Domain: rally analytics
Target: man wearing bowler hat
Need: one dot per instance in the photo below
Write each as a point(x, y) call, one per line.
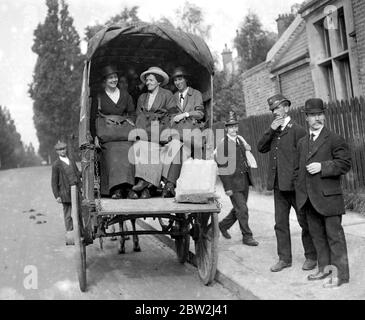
point(281, 140)
point(235, 174)
point(323, 157)
point(65, 174)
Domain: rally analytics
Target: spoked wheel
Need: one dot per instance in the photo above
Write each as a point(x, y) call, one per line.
point(206, 246)
point(182, 243)
point(80, 249)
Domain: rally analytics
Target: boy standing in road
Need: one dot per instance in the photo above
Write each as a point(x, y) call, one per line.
point(65, 174)
point(231, 157)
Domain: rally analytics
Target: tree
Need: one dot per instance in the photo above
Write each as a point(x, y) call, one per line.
point(252, 42)
point(128, 16)
point(30, 158)
point(228, 96)
point(191, 19)
point(55, 88)
point(11, 147)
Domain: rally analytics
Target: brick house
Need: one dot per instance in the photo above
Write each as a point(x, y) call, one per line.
point(321, 54)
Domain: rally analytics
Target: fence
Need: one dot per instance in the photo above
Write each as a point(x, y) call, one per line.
point(345, 118)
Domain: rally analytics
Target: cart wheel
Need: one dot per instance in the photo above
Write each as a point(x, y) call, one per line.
point(206, 246)
point(182, 243)
point(80, 250)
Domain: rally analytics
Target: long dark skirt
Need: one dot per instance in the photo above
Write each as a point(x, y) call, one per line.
point(116, 168)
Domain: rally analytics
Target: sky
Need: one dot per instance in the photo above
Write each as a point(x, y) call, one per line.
point(19, 18)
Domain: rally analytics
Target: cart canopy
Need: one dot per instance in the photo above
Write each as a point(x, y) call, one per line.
point(147, 35)
point(135, 48)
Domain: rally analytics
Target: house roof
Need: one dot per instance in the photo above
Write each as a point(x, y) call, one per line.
point(284, 39)
point(291, 46)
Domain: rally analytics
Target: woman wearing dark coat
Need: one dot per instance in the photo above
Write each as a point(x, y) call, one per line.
point(116, 171)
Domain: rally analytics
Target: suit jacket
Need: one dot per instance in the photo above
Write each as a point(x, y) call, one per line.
point(324, 188)
point(61, 184)
point(232, 155)
point(193, 103)
point(282, 146)
point(163, 103)
point(159, 111)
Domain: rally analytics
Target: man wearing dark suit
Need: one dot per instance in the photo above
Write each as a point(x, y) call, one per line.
point(323, 157)
point(235, 175)
point(281, 140)
point(65, 174)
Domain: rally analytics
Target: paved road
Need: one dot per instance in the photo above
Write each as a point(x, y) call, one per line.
point(35, 263)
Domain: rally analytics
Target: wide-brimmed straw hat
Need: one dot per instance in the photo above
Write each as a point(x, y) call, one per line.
point(155, 70)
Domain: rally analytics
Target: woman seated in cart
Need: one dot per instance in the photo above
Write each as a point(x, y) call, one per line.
point(116, 172)
point(149, 154)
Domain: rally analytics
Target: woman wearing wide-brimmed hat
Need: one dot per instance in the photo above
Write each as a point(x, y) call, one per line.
point(116, 172)
point(152, 105)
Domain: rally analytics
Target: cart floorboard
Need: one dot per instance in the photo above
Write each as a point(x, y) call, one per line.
point(153, 206)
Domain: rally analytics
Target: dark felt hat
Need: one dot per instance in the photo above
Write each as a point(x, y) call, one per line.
point(107, 70)
point(314, 105)
point(232, 119)
point(180, 72)
point(60, 145)
point(276, 100)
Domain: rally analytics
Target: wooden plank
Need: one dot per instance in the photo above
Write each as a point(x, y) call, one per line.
point(154, 206)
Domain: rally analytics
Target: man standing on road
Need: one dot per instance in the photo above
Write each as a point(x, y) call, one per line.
point(323, 157)
point(65, 174)
point(281, 140)
point(231, 155)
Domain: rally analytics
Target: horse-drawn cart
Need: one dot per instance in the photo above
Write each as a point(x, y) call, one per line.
point(141, 46)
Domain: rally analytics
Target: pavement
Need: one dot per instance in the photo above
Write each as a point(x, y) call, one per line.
point(246, 271)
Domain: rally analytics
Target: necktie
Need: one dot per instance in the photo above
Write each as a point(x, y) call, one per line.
point(181, 99)
point(311, 141)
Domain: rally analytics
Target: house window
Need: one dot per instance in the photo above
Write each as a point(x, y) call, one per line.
point(335, 61)
point(341, 31)
point(345, 71)
point(330, 81)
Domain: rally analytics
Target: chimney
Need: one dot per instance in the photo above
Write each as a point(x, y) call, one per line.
point(283, 22)
point(227, 60)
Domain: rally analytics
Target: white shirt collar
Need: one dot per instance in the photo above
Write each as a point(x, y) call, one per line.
point(184, 93)
point(114, 95)
point(315, 133)
point(232, 138)
point(65, 160)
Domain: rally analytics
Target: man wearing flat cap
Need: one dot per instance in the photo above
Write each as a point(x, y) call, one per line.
point(323, 157)
point(65, 174)
point(281, 140)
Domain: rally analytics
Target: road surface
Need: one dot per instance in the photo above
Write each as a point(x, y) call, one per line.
point(36, 264)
